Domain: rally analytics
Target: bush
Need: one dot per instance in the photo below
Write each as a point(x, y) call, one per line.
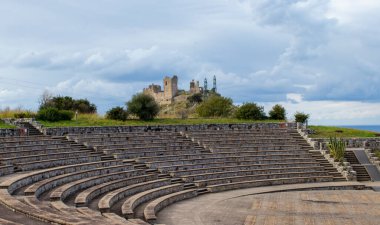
point(26, 114)
point(68, 103)
point(337, 148)
point(277, 113)
point(143, 106)
point(250, 111)
point(195, 98)
point(300, 117)
point(53, 114)
point(117, 113)
point(215, 106)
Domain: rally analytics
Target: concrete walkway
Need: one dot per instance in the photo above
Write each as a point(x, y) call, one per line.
point(284, 204)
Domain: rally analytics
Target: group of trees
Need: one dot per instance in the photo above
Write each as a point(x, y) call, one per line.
point(219, 106)
point(144, 107)
point(56, 108)
point(141, 105)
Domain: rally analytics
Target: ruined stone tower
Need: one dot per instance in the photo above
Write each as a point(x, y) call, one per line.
point(170, 87)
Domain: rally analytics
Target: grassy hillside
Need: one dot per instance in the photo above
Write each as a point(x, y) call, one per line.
point(4, 125)
point(327, 131)
point(95, 120)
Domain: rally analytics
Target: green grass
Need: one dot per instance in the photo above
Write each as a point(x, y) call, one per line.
point(377, 153)
point(327, 131)
point(95, 120)
point(5, 126)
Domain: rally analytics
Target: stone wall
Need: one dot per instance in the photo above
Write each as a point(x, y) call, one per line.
point(83, 130)
point(11, 132)
point(321, 143)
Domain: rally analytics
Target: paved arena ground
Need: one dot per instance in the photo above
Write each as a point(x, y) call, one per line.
point(246, 207)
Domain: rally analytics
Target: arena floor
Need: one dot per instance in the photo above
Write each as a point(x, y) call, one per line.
point(249, 207)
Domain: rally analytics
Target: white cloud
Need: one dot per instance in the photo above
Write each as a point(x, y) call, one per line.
point(298, 52)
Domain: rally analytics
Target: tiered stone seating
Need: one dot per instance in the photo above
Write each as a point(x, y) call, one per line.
point(121, 178)
point(38, 152)
point(267, 148)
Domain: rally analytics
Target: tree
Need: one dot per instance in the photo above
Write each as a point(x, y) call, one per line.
point(45, 98)
point(143, 106)
point(117, 113)
point(250, 111)
point(301, 117)
point(277, 112)
point(215, 106)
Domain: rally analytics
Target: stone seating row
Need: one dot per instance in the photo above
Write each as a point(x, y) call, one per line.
point(132, 202)
point(47, 184)
point(39, 157)
point(43, 215)
point(267, 182)
point(57, 208)
point(251, 148)
point(156, 205)
point(22, 180)
point(254, 158)
point(85, 196)
point(64, 191)
point(134, 144)
point(223, 141)
point(21, 152)
point(48, 163)
point(23, 143)
point(220, 167)
point(143, 147)
point(35, 147)
point(157, 164)
point(137, 154)
point(6, 169)
point(238, 173)
point(235, 179)
point(121, 134)
point(107, 201)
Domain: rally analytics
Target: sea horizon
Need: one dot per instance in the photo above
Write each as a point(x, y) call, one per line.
point(375, 128)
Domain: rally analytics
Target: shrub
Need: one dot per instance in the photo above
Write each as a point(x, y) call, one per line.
point(277, 113)
point(68, 103)
point(195, 98)
point(117, 113)
point(53, 114)
point(250, 111)
point(337, 148)
point(143, 106)
point(215, 106)
point(300, 117)
point(25, 114)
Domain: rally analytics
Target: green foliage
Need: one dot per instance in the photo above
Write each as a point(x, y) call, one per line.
point(377, 153)
point(301, 117)
point(215, 106)
point(53, 114)
point(195, 98)
point(277, 112)
point(85, 120)
point(25, 114)
point(327, 131)
point(337, 148)
point(68, 103)
point(250, 111)
point(117, 113)
point(143, 106)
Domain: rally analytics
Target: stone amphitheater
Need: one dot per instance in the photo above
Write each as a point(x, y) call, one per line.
point(199, 174)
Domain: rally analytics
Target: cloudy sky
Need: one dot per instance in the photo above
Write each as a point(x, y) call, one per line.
point(317, 56)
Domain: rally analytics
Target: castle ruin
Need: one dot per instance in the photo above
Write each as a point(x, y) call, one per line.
point(170, 91)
